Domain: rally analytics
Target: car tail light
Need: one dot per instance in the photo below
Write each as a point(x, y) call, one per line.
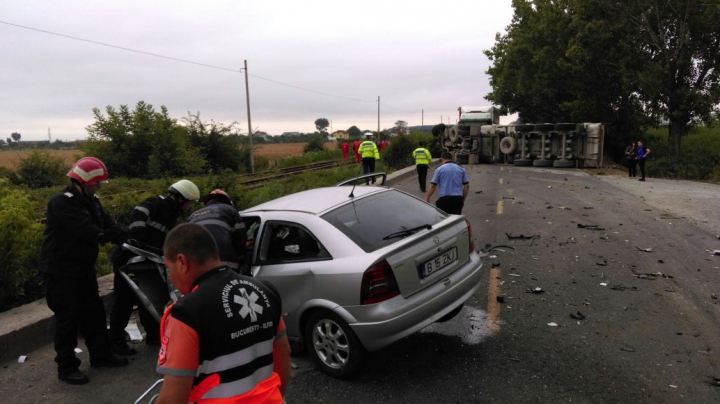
point(470, 238)
point(378, 284)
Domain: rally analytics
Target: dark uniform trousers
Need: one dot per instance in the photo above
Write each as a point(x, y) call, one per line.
point(422, 170)
point(77, 307)
point(368, 165)
point(451, 204)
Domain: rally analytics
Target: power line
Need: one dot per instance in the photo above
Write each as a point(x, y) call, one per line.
point(193, 63)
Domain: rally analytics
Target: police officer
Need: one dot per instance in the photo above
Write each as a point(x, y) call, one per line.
point(369, 152)
point(223, 221)
point(453, 183)
point(422, 158)
point(150, 222)
point(76, 224)
point(224, 341)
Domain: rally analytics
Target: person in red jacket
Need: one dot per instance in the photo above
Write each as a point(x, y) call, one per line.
point(345, 149)
point(356, 147)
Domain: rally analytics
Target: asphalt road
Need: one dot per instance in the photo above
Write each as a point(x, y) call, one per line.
point(649, 327)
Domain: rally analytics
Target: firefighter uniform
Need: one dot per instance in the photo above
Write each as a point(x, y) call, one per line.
point(422, 158)
point(227, 228)
point(74, 227)
point(369, 153)
point(222, 335)
point(150, 222)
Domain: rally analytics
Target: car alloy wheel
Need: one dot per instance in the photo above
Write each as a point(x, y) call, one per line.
point(333, 345)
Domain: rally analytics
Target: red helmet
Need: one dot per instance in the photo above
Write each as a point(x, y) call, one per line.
point(88, 170)
point(217, 193)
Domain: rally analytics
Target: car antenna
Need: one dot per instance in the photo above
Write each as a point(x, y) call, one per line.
point(352, 195)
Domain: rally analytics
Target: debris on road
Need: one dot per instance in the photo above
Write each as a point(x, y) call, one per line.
point(500, 298)
point(649, 249)
point(617, 287)
point(552, 324)
point(495, 264)
point(478, 192)
point(603, 284)
point(627, 348)
point(535, 290)
point(590, 226)
point(564, 208)
point(514, 274)
point(716, 252)
point(602, 263)
point(294, 365)
point(492, 257)
point(661, 261)
point(521, 237)
point(549, 207)
point(669, 289)
point(577, 316)
point(509, 197)
point(606, 238)
point(588, 207)
point(713, 295)
point(22, 358)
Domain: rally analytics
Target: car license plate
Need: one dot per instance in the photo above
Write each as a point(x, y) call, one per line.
point(438, 263)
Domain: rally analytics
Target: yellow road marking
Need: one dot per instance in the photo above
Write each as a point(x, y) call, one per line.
point(493, 309)
point(500, 208)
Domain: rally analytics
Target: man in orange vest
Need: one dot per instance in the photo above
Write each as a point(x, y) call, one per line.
point(224, 341)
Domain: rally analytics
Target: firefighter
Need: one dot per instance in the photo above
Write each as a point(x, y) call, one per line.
point(223, 221)
point(76, 224)
point(369, 152)
point(224, 341)
point(150, 222)
point(422, 158)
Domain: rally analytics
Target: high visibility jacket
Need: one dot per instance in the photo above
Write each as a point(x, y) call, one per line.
point(368, 149)
point(73, 230)
point(222, 334)
point(227, 227)
point(422, 156)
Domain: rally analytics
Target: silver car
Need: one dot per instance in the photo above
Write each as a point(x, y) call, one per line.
point(360, 269)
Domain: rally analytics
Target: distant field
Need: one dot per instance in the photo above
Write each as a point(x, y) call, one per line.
point(10, 158)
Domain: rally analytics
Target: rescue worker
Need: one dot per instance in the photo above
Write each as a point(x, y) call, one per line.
point(369, 152)
point(223, 221)
point(356, 147)
point(453, 183)
point(224, 341)
point(76, 224)
point(150, 222)
point(345, 150)
point(422, 158)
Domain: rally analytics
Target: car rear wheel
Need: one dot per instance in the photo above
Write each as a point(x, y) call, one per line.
point(452, 314)
point(333, 345)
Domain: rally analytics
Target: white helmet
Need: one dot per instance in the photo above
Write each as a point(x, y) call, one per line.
point(186, 189)
point(368, 135)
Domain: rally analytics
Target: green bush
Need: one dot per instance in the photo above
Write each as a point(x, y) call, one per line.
point(20, 239)
point(39, 170)
point(699, 158)
point(315, 144)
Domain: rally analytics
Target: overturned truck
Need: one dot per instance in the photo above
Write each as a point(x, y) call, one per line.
point(479, 138)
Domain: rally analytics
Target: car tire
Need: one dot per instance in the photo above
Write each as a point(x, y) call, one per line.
point(451, 315)
point(508, 145)
point(333, 345)
point(544, 127)
point(522, 162)
point(565, 127)
point(524, 128)
point(542, 163)
point(564, 163)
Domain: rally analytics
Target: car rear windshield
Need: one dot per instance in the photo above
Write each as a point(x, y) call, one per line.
point(368, 220)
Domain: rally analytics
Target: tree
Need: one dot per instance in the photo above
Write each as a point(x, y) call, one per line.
point(354, 132)
point(400, 127)
point(322, 124)
point(609, 61)
point(9, 140)
point(15, 136)
point(221, 145)
point(2, 142)
point(142, 143)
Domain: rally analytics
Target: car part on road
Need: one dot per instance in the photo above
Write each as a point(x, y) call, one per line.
point(649, 249)
point(590, 227)
point(577, 316)
point(521, 237)
point(333, 345)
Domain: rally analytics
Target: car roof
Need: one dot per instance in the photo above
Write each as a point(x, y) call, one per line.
point(316, 200)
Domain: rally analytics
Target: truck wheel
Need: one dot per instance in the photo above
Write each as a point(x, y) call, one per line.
point(524, 128)
point(333, 345)
point(564, 163)
point(462, 158)
point(453, 135)
point(564, 127)
point(523, 162)
point(544, 127)
point(542, 163)
point(508, 145)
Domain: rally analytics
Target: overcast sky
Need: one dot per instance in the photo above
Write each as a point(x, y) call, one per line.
point(415, 55)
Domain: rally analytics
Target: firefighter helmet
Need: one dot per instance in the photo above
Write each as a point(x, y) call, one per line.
point(217, 194)
point(186, 189)
point(88, 170)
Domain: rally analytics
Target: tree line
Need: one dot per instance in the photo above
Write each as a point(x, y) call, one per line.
point(627, 63)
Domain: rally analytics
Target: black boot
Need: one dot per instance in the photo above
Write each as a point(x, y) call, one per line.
point(121, 348)
point(73, 377)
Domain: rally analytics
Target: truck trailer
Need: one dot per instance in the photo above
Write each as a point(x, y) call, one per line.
point(478, 137)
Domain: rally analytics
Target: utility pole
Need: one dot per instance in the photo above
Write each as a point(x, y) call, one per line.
point(49, 136)
point(422, 122)
point(250, 141)
point(378, 136)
